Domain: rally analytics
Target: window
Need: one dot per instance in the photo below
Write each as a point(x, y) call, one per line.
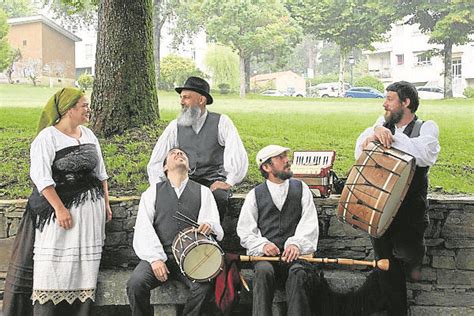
point(89, 51)
point(400, 59)
point(24, 42)
point(422, 59)
point(457, 67)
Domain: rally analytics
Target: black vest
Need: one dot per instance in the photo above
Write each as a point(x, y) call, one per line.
point(206, 155)
point(166, 206)
point(275, 225)
point(414, 206)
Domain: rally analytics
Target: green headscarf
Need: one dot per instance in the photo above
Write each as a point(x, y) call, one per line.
point(58, 105)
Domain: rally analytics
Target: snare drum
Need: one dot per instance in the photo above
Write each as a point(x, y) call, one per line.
point(375, 188)
point(198, 256)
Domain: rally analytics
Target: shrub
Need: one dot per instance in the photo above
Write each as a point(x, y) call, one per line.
point(469, 92)
point(85, 81)
point(174, 70)
point(224, 88)
point(369, 81)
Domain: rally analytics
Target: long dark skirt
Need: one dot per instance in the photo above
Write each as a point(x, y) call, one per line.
point(19, 280)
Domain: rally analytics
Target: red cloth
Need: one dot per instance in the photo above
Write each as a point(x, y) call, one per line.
point(228, 283)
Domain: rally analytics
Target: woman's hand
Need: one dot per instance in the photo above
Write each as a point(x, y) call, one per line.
point(108, 212)
point(63, 217)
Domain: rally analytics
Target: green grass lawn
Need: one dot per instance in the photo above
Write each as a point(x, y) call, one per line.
point(299, 123)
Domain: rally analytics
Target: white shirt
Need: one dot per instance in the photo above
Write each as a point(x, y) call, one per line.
point(424, 148)
point(307, 230)
point(43, 151)
point(146, 243)
point(235, 156)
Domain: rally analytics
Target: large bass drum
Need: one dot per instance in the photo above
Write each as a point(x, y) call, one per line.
point(199, 257)
point(375, 188)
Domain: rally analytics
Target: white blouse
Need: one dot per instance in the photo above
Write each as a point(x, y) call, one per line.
point(43, 151)
point(235, 156)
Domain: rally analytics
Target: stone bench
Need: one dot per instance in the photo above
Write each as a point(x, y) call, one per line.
point(111, 290)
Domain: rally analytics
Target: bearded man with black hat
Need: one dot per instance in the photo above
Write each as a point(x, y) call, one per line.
point(217, 157)
point(278, 218)
point(403, 243)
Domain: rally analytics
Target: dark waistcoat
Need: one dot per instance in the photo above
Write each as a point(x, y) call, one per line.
point(275, 225)
point(414, 206)
point(166, 206)
point(206, 155)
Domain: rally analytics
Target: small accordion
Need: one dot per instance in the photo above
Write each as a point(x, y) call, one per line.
point(314, 169)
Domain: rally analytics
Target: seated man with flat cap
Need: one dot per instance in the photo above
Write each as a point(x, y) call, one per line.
point(156, 228)
point(217, 157)
point(278, 218)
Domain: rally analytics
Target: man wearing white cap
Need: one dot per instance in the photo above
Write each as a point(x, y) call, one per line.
point(278, 218)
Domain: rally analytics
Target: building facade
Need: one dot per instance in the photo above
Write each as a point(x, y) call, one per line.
point(47, 50)
point(406, 56)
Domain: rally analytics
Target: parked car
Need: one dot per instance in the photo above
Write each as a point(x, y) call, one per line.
point(432, 93)
point(272, 93)
point(363, 92)
point(292, 92)
point(329, 89)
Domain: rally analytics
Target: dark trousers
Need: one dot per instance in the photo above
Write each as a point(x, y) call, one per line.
point(221, 196)
point(404, 245)
point(143, 280)
point(268, 276)
point(77, 308)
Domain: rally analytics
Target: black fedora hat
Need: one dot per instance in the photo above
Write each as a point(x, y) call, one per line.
point(198, 85)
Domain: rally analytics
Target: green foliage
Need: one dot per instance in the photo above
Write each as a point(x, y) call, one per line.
point(78, 13)
point(224, 88)
point(6, 52)
point(17, 8)
point(323, 78)
point(85, 81)
point(175, 70)
point(369, 81)
point(223, 65)
point(348, 23)
point(251, 28)
point(469, 92)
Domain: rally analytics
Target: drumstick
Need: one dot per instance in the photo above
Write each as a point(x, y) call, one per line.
point(190, 220)
point(382, 264)
point(186, 221)
point(244, 283)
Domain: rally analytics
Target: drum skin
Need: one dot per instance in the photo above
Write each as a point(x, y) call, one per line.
point(375, 188)
point(198, 256)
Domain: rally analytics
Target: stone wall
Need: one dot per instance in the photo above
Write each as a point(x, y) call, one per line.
point(446, 288)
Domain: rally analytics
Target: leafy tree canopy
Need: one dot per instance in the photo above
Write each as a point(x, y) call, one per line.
point(17, 8)
point(175, 70)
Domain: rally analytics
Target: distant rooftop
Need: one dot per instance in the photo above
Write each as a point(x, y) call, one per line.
point(45, 20)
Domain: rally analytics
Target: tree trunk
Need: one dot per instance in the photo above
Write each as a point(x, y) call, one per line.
point(242, 73)
point(342, 63)
point(247, 75)
point(124, 92)
point(157, 27)
point(448, 69)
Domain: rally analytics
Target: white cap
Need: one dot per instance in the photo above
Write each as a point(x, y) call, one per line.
point(269, 152)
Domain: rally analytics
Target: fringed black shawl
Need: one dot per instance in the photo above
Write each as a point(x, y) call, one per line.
point(73, 172)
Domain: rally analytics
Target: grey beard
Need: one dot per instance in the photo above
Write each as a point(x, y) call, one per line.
point(189, 116)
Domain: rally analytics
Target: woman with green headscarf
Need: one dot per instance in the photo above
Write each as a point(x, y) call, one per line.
point(57, 251)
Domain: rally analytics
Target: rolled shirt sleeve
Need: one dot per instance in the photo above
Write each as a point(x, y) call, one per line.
point(425, 148)
point(42, 153)
point(247, 228)
point(235, 156)
point(146, 243)
point(209, 213)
